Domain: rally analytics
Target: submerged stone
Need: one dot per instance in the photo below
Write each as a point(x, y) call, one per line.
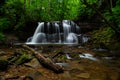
point(83, 75)
point(2, 53)
point(35, 75)
point(34, 63)
point(2, 78)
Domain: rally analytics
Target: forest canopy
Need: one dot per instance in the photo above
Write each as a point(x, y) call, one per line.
point(46, 10)
point(18, 15)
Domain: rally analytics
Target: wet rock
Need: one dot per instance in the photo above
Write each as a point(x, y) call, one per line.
point(58, 54)
point(2, 78)
point(66, 76)
point(81, 68)
point(97, 79)
point(18, 52)
point(83, 75)
point(12, 77)
point(68, 56)
point(80, 47)
point(35, 75)
point(47, 49)
point(20, 56)
point(2, 53)
point(114, 76)
point(11, 39)
point(66, 66)
point(25, 78)
point(23, 58)
point(74, 55)
point(75, 70)
point(3, 64)
point(33, 63)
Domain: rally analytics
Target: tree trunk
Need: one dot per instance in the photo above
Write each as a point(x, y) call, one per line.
point(29, 2)
point(24, 4)
point(46, 62)
point(110, 24)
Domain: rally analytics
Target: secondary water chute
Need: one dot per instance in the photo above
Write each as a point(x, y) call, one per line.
point(56, 32)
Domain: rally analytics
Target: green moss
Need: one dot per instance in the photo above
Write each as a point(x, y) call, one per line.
point(103, 35)
point(23, 58)
point(20, 56)
point(104, 38)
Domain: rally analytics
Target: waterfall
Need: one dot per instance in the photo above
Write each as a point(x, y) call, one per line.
point(56, 32)
point(66, 29)
point(72, 38)
point(38, 31)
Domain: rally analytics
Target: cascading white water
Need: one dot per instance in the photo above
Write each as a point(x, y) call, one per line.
point(72, 38)
point(65, 32)
point(58, 32)
point(39, 38)
point(38, 32)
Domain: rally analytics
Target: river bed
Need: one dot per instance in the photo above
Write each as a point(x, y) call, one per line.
point(79, 63)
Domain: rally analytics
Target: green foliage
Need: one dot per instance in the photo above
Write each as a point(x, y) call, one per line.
point(14, 12)
point(2, 37)
point(52, 10)
point(19, 15)
point(4, 24)
point(22, 59)
point(104, 36)
point(116, 13)
point(113, 17)
point(86, 12)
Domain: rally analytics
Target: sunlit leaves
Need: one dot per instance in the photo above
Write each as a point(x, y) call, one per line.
point(51, 10)
point(47, 10)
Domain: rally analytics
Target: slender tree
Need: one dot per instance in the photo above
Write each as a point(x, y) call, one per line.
point(29, 2)
point(24, 4)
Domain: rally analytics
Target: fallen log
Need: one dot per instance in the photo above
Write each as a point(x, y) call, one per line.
point(46, 62)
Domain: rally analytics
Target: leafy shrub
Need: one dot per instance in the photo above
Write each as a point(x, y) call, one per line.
point(103, 36)
point(4, 24)
point(2, 37)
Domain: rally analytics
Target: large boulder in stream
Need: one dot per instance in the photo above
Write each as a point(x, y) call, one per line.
point(20, 56)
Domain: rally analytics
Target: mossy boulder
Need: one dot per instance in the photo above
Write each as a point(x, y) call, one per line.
point(23, 58)
point(20, 57)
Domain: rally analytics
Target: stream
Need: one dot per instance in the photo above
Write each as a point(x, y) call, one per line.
point(79, 63)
